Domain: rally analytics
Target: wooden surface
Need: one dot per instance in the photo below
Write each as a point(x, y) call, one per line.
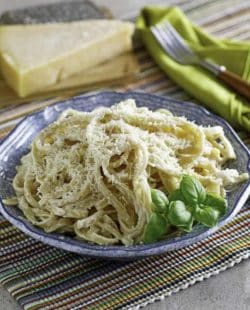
point(230, 290)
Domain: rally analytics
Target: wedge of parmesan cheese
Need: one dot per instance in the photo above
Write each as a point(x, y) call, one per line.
point(33, 57)
point(121, 69)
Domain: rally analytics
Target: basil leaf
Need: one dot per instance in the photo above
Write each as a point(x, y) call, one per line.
point(217, 202)
point(180, 216)
point(160, 200)
point(176, 195)
point(192, 190)
point(207, 215)
point(155, 228)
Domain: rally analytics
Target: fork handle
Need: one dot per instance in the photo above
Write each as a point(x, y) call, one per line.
point(235, 81)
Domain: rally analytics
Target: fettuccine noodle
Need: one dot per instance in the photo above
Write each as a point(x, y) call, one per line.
point(90, 174)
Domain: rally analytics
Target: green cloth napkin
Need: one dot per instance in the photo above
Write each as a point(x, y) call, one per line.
point(201, 84)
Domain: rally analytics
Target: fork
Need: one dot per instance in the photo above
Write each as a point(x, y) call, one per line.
point(176, 47)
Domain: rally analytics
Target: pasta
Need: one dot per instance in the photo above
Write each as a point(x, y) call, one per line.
point(90, 173)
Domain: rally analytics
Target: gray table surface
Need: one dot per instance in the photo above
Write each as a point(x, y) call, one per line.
point(230, 290)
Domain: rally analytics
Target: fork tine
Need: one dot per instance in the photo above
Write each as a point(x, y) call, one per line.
point(173, 44)
point(167, 26)
point(162, 40)
point(179, 54)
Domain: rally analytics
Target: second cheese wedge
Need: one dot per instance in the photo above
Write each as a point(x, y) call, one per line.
point(33, 57)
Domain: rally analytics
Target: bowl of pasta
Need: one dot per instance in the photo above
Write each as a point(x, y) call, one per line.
point(122, 175)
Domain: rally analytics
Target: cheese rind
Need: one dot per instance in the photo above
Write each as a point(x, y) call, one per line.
point(35, 56)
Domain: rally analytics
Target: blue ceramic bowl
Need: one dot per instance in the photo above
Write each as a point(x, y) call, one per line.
point(16, 144)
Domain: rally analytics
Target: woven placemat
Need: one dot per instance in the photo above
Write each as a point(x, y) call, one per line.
point(42, 277)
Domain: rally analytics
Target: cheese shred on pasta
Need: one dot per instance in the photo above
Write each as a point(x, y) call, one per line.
point(90, 174)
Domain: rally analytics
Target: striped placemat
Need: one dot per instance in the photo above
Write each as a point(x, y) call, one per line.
point(42, 277)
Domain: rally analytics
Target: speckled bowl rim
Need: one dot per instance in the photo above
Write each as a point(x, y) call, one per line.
point(123, 252)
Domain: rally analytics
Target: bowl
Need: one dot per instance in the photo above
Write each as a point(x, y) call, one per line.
point(16, 144)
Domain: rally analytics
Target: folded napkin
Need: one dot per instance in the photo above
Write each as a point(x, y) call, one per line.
point(201, 84)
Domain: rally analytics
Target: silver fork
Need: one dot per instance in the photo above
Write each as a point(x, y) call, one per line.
point(176, 47)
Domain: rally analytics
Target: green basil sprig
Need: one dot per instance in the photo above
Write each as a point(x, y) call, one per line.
point(206, 215)
point(155, 228)
point(158, 222)
point(209, 212)
point(160, 200)
point(217, 202)
point(192, 190)
point(176, 195)
point(189, 203)
point(180, 216)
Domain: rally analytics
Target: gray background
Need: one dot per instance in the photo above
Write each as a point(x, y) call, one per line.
point(230, 290)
